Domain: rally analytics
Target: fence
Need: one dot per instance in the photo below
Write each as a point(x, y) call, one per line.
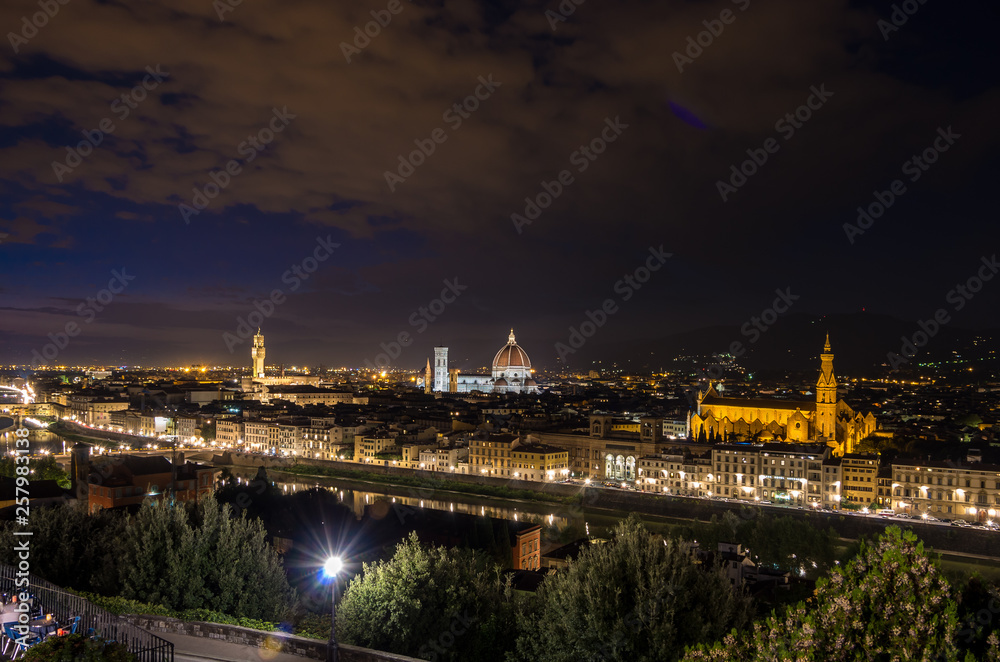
point(65, 606)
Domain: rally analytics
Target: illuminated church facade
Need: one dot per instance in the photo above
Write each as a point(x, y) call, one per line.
point(828, 419)
point(511, 373)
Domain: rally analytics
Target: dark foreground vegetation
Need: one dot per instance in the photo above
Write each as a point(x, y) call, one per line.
point(441, 593)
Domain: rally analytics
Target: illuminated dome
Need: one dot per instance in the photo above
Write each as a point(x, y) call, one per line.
point(511, 356)
point(512, 369)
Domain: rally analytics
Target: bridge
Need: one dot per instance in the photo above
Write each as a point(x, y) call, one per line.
point(24, 397)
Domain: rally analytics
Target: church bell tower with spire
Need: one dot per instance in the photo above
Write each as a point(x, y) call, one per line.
point(826, 396)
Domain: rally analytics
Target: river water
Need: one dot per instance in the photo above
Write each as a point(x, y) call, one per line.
point(377, 500)
point(39, 439)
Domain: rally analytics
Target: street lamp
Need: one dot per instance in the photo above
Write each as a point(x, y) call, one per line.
point(333, 565)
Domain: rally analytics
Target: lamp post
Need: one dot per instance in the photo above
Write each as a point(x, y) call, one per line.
point(333, 565)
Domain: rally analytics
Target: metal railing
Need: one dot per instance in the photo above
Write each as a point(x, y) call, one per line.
point(65, 606)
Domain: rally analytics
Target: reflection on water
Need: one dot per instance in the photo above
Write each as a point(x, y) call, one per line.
point(40, 440)
point(382, 503)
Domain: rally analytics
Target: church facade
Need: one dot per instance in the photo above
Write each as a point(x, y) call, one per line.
point(511, 373)
point(828, 419)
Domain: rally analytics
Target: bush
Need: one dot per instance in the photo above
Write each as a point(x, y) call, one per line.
point(889, 603)
point(78, 648)
point(430, 602)
point(120, 605)
point(640, 597)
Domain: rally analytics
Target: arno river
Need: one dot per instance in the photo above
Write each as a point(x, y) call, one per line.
point(380, 500)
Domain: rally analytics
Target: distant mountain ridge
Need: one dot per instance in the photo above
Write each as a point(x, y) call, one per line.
point(860, 342)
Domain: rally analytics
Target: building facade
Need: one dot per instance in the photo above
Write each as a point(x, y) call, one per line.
point(947, 490)
point(859, 479)
point(827, 419)
point(612, 448)
point(539, 462)
point(511, 373)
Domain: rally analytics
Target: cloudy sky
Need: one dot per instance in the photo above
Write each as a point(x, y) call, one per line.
point(316, 141)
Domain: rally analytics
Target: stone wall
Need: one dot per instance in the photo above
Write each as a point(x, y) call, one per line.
point(312, 649)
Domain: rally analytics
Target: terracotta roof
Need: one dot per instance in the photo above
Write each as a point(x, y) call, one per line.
point(511, 355)
point(760, 403)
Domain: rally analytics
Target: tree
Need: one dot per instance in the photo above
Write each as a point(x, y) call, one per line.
point(161, 566)
point(891, 602)
point(431, 602)
point(44, 468)
point(779, 541)
point(640, 597)
point(78, 648)
point(72, 547)
point(214, 561)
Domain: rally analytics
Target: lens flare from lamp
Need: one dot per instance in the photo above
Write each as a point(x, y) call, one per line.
point(333, 566)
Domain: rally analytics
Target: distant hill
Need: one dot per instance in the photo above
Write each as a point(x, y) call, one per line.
point(860, 343)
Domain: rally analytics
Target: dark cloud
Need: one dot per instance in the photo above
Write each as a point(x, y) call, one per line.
point(324, 173)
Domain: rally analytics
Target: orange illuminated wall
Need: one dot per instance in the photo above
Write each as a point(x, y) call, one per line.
point(526, 550)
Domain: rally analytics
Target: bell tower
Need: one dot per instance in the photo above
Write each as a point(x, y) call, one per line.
point(441, 380)
point(826, 396)
point(257, 354)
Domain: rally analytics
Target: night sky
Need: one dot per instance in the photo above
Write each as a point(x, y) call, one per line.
point(675, 118)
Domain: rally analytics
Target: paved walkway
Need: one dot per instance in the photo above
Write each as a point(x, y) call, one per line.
point(195, 649)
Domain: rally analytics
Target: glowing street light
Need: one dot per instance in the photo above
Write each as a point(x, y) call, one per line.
point(331, 569)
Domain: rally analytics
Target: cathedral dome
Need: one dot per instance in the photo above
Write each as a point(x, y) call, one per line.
point(511, 356)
